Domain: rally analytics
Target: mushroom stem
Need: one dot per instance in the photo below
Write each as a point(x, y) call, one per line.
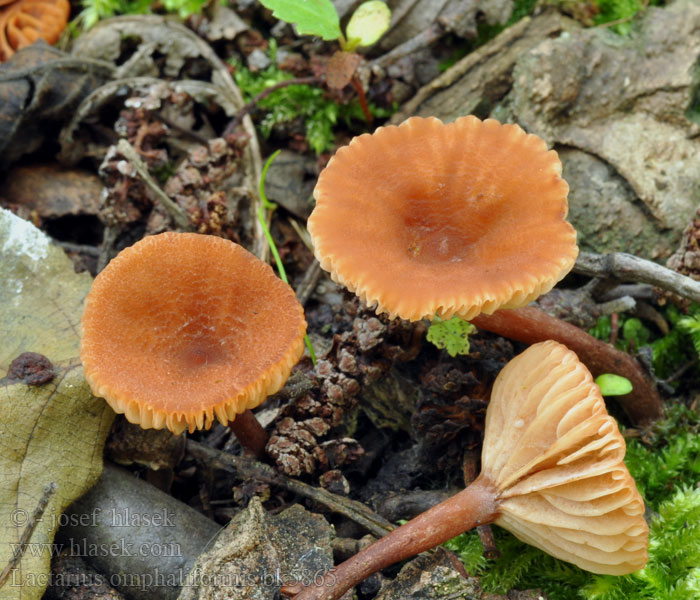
point(475, 505)
point(250, 433)
point(531, 325)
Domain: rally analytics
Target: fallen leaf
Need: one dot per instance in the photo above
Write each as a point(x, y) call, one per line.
point(51, 433)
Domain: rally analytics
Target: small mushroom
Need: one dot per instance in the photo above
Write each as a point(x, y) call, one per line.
point(552, 474)
point(22, 22)
point(454, 219)
point(466, 219)
point(181, 329)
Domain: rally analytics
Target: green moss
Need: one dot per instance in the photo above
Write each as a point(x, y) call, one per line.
point(319, 113)
point(612, 11)
point(95, 10)
point(669, 352)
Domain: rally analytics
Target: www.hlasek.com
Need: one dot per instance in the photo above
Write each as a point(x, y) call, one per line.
point(120, 548)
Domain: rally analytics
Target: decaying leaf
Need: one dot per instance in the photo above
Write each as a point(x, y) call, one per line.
point(51, 433)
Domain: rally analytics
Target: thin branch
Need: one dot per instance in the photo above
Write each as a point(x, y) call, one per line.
point(236, 121)
point(248, 468)
point(23, 544)
point(424, 39)
point(626, 267)
point(81, 248)
point(532, 325)
point(176, 212)
point(308, 283)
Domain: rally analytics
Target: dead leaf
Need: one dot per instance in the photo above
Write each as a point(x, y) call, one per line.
point(341, 68)
point(52, 191)
point(49, 433)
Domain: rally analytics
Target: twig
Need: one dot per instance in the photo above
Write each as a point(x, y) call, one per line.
point(236, 121)
point(82, 248)
point(626, 267)
point(308, 284)
point(418, 42)
point(108, 240)
point(185, 132)
point(23, 544)
point(498, 44)
point(491, 551)
point(532, 325)
point(176, 212)
point(85, 65)
point(249, 468)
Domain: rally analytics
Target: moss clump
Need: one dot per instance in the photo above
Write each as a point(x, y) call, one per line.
point(306, 103)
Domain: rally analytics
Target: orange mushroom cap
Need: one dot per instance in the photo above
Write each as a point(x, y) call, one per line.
point(461, 218)
point(555, 457)
point(22, 22)
point(182, 328)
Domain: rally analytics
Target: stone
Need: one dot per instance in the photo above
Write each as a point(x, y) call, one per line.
point(257, 553)
point(618, 109)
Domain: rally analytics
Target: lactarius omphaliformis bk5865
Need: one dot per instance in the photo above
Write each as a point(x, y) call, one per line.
point(552, 473)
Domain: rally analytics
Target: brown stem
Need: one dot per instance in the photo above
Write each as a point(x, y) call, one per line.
point(250, 433)
point(531, 325)
point(473, 506)
point(488, 542)
point(363, 99)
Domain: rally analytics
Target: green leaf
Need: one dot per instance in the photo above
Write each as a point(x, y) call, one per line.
point(613, 385)
point(451, 335)
point(367, 24)
point(311, 17)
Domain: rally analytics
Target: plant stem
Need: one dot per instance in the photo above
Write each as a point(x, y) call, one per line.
point(250, 433)
point(476, 505)
point(363, 99)
point(532, 325)
point(265, 204)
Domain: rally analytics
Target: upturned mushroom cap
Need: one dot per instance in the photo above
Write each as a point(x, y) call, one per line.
point(556, 458)
point(461, 218)
point(22, 22)
point(182, 328)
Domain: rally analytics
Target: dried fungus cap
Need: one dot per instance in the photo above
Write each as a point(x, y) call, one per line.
point(23, 22)
point(426, 218)
point(182, 328)
point(556, 458)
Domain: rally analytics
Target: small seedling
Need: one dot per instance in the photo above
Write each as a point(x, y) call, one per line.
point(451, 335)
point(319, 17)
point(613, 385)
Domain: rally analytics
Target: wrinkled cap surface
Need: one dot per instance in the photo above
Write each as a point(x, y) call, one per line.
point(556, 458)
point(182, 328)
point(461, 218)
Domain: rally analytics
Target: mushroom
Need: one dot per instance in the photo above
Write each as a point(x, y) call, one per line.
point(22, 22)
point(181, 329)
point(464, 218)
point(428, 219)
point(552, 474)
